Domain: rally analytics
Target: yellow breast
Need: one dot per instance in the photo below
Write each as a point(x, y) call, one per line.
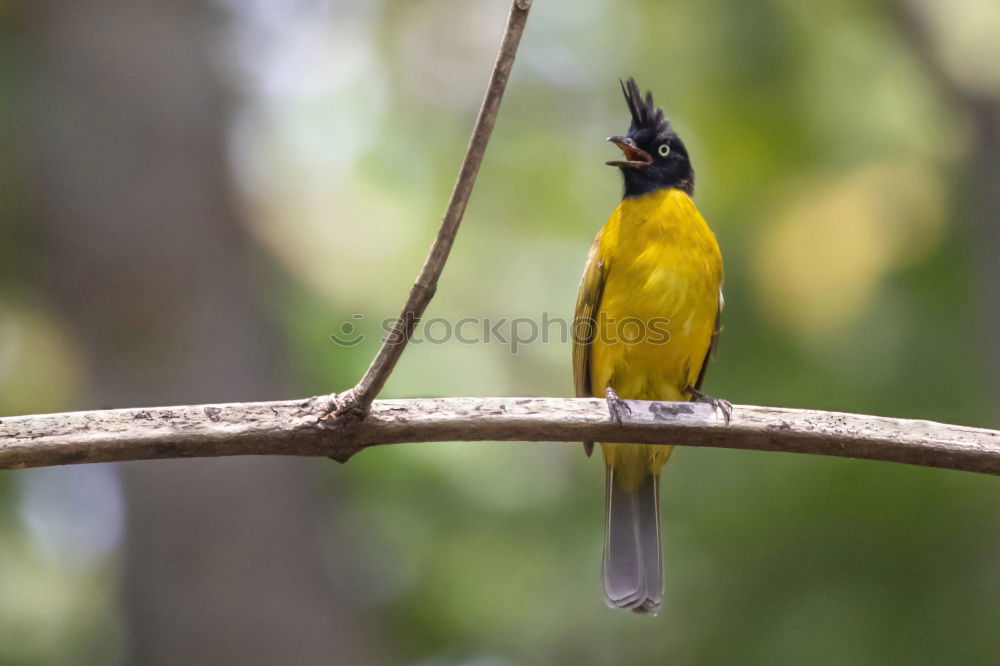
point(660, 299)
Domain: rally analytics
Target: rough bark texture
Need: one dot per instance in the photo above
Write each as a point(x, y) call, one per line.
point(291, 427)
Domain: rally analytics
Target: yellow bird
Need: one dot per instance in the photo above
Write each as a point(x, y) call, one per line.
point(647, 320)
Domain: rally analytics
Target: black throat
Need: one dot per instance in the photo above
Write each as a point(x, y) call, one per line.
point(639, 182)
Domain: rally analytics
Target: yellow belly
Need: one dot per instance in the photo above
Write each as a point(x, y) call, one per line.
point(657, 312)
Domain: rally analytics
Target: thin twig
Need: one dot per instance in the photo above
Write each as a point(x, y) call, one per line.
point(290, 428)
point(426, 283)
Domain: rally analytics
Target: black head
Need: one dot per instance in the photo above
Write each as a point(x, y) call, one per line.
point(655, 157)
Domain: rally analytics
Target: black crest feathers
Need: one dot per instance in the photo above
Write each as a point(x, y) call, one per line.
point(646, 116)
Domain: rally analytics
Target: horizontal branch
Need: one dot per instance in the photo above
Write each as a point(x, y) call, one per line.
point(292, 428)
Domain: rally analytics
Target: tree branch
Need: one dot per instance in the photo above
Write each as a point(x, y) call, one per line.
point(426, 283)
point(291, 428)
point(303, 427)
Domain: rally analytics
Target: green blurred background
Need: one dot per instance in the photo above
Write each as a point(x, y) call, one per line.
point(195, 195)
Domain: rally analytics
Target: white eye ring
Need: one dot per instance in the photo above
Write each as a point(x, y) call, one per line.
point(664, 150)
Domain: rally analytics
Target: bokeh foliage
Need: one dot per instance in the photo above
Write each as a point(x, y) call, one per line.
point(831, 165)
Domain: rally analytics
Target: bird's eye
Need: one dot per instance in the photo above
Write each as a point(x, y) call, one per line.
point(664, 150)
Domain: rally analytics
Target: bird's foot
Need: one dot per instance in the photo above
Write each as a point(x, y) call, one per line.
point(718, 404)
point(616, 406)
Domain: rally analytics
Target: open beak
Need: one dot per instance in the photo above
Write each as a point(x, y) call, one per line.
point(634, 155)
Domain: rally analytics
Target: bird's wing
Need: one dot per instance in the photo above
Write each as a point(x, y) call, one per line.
point(712, 345)
point(585, 325)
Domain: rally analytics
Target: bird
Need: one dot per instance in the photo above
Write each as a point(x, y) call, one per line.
point(647, 322)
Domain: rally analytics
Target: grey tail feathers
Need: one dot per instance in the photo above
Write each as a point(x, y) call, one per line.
point(633, 563)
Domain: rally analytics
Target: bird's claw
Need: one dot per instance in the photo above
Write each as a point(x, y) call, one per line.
point(718, 404)
point(616, 406)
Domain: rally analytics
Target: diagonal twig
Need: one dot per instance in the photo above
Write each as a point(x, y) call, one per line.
point(359, 399)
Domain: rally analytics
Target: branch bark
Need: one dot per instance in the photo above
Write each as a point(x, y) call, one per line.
point(303, 428)
point(362, 395)
point(291, 428)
